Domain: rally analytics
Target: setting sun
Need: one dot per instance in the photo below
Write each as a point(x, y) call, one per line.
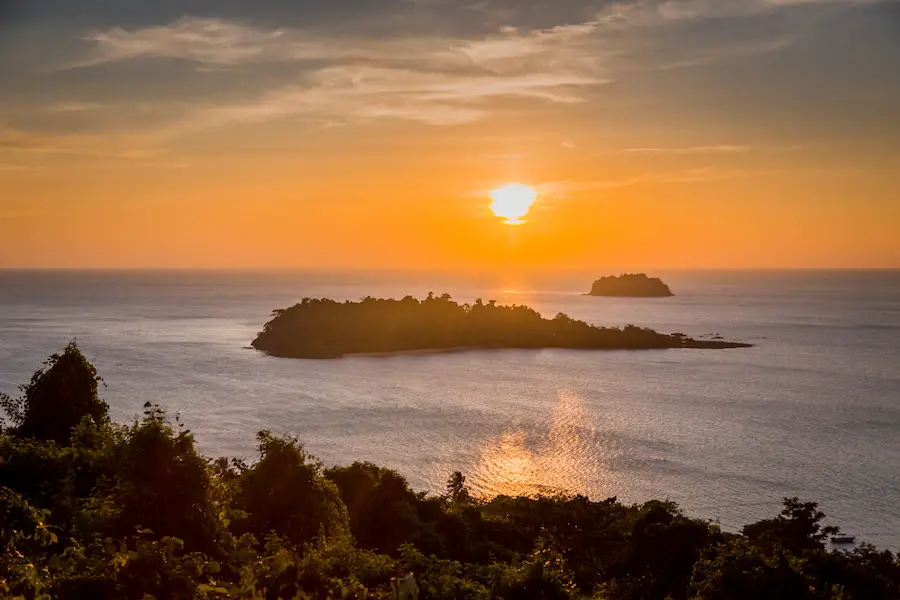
point(512, 202)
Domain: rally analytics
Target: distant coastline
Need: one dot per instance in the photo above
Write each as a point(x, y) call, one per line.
point(324, 328)
point(631, 285)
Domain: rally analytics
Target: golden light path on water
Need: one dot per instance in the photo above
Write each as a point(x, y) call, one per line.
point(566, 461)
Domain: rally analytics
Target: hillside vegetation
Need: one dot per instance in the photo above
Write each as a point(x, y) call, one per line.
point(92, 509)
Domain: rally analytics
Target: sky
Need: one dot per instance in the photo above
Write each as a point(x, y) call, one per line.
point(370, 133)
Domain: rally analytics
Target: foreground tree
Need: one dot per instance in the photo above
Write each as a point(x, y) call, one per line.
point(739, 570)
point(457, 491)
point(57, 398)
point(798, 528)
point(286, 493)
point(165, 486)
point(383, 510)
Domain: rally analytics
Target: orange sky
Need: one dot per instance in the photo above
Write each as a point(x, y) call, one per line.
point(717, 157)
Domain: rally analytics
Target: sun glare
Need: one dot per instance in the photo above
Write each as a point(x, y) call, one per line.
point(512, 202)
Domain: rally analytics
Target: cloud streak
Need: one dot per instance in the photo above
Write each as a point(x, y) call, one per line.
point(432, 80)
point(729, 149)
point(716, 149)
point(649, 13)
point(567, 188)
point(215, 42)
point(208, 41)
point(438, 81)
point(361, 93)
point(119, 146)
point(74, 107)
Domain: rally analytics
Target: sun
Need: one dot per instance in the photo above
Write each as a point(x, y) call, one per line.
point(512, 202)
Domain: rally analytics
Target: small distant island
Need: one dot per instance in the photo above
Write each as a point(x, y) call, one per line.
point(323, 328)
point(631, 285)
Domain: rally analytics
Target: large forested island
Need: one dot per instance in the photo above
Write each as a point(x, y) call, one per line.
point(323, 328)
point(633, 285)
point(92, 509)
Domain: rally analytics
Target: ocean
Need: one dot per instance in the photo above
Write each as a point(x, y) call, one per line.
point(812, 410)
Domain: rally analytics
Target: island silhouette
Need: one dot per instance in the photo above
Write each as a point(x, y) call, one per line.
point(633, 285)
point(321, 328)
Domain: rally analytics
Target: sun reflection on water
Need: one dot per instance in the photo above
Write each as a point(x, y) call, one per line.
point(567, 460)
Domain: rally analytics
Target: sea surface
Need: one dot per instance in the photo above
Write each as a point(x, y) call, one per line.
point(813, 410)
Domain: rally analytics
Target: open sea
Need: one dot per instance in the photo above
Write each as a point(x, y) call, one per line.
point(813, 410)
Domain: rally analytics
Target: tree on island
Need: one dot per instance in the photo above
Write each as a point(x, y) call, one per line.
point(323, 328)
point(635, 285)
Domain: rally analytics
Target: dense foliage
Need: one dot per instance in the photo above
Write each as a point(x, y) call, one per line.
point(322, 328)
point(97, 510)
point(631, 285)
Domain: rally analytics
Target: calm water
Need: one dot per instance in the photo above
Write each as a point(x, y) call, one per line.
point(813, 410)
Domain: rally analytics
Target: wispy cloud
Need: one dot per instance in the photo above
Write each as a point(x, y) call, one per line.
point(734, 51)
point(74, 107)
point(361, 93)
point(714, 149)
point(430, 79)
point(121, 146)
point(567, 188)
point(646, 13)
point(215, 42)
point(690, 150)
point(339, 94)
point(433, 80)
point(704, 174)
point(208, 41)
point(14, 168)
point(514, 157)
point(438, 81)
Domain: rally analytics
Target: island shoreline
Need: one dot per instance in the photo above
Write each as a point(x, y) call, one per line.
point(463, 349)
point(630, 285)
point(372, 327)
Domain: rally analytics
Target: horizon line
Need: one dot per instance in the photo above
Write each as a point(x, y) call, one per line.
point(546, 270)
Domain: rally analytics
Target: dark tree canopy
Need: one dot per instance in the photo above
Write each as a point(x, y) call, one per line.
point(284, 478)
point(322, 328)
point(164, 485)
point(57, 398)
point(456, 488)
point(383, 510)
point(798, 528)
